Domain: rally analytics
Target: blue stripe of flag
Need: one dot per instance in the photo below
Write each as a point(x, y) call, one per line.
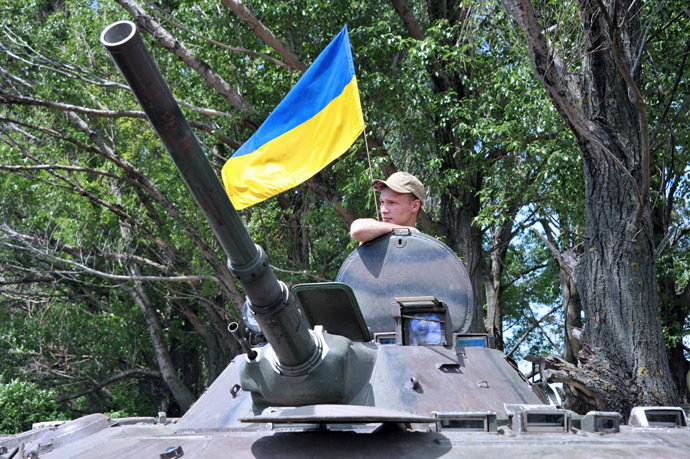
point(323, 81)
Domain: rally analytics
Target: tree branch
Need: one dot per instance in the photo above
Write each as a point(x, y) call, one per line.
point(144, 186)
point(411, 24)
point(522, 274)
point(38, 60)
point(114, 208)
point(266, 57)
point(674, 91)
point(261, 31)
point(547, 68)
point(144, 183)
point(667, 238)
point(41, 167)
point(534, 325)
point(28, 280)
point(112, 277)
point(12, 99)
point(545, 64)
point(169, 42)
point(681, 232)
point(132, 372)
point(77, 251)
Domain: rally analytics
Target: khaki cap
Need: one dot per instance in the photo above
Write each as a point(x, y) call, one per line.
point(402, 182)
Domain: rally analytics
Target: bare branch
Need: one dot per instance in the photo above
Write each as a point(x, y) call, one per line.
point(169, 42)
point(24, 100)
point(669, 23)
point(566, 261)
point(266, 57)
point(38, 60)
point(527, 333)
point(553, 221)
point(667, 238)
point(144, 183)
point(13, 99)
point(681, 232)
point(14, 78)
point(28, 280)
point(116, 209)
point(411, 24)
point(112, 277)
point(261, 31)
point(77, 251)
point(132, 372)
point(523, 273)
point(674, 91)
point(41, 167)
point(643, 41)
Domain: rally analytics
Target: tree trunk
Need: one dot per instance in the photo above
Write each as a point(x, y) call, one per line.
point(571, 303)
point(466, 239)
point(460, 202)
point(296, 233)
point(616, 277)
point(500, 240)
point(572, 310)
point(674, 310)
point(617, 281)
point(674, 304)
point(220, 346)
point(494, 314)
point(181, 393)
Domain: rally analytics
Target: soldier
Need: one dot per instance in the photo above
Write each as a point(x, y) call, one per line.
point(401, 198)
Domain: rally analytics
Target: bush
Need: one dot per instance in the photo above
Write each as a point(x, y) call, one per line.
point(23, 403)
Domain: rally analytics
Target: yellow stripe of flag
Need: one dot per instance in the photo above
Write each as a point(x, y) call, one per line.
point(315, 123)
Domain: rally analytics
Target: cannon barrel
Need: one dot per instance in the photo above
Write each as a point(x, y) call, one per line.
point(269, 299)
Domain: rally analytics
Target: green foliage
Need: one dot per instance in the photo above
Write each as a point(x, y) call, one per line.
point(490, 133)
point(23, 403)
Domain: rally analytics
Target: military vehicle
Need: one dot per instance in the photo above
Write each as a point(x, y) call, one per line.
point(377, 364)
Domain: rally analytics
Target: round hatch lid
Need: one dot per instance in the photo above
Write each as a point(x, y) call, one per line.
point(405, 264)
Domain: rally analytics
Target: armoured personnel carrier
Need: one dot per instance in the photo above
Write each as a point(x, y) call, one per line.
point(377, 364)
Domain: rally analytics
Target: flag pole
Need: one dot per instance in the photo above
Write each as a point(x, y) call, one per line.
point(371, 173)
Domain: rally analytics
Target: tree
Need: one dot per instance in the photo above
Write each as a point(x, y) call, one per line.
point(598, 91)
point(490, 137)
point(22, 404)
point(98, 233)
point(667, 111)
point(100, 216)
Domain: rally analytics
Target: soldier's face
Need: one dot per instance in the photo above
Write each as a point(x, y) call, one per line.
point(399, 208)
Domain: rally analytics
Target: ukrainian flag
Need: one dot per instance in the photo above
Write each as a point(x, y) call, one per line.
point(316, 122)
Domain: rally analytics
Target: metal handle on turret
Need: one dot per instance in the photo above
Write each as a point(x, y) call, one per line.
point(281, 323)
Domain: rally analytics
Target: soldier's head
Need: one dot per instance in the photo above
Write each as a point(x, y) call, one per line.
point(402, 195)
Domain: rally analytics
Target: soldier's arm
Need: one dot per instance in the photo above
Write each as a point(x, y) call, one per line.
point(366, 229)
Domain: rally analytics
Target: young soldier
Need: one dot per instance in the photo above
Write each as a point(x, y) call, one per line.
point(401, 198)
